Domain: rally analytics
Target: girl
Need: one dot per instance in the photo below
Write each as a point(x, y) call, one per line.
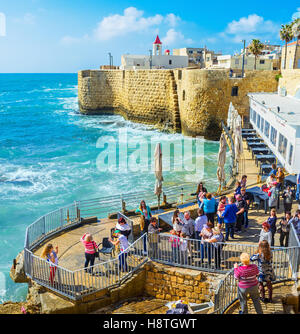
point(145, 211)
point(51, 256)
point(221, 209)
point(266, 272)
point(90, 248)
point(177, 222)
point(272, 222)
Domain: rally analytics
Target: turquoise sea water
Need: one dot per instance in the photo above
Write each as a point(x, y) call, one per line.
point(48, 157)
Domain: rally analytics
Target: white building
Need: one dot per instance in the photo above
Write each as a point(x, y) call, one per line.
point(276, 119)
point(157, 60)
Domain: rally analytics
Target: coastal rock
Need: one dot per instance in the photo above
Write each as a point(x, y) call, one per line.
point(17, 274)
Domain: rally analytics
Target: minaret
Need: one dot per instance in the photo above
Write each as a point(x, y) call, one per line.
point(157, 47)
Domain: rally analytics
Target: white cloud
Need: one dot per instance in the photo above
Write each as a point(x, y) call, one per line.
point(296, 15)
point(174, 36)
point(132, 20)
point(172, 20)
point(28, 18)
point(250, 27)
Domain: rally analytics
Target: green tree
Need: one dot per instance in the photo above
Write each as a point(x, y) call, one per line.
point(296, 34)
point(255, 47)
point(286, 35)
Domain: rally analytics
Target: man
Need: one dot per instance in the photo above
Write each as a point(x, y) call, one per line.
point(188, 227)
point(240, 216)
point(229, 215)
point(246, 199)
point(274, 170)
point(153, 232)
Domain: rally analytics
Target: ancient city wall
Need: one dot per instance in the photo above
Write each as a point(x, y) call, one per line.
point(193, 101)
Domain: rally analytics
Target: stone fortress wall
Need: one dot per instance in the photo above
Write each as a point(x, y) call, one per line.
point(191, 101)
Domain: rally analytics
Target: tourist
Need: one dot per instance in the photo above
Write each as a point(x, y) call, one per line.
point(244, 181)
point(221, 209)
point(123, 227)
point(230, 215)
point(200, 193)
point(271, 180)
point(124, 245)
point(238, 188)
point(146, 214)
point(240, 203)
point(90, 248)
point(296, 222)
point(272, 222)
point(266, 271)
point(284, 230)
point(298, 188)
point(265, 233)
point(206, 234)
point(51, 256)
point(200, 222)
point(183, 248)
point(153, 235)
point(177, 222)
point(246, 199)
point(209, 207)
point(287, 199)
point(248, 284)
point(280, 178)
point(175, 242)
point(188, 226)
point(273, 170)
point(273, 196)
point(217, 241)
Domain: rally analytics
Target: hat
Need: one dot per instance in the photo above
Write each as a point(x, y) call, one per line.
point(117, 231)
point(121, 220)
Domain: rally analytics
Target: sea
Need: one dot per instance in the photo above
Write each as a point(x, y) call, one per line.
point(51, 155)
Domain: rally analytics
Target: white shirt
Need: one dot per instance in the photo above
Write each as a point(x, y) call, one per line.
point(183, 244)
point(200, 222)
point(123, 243)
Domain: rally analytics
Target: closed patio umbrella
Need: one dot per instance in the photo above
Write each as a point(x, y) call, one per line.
point(229, 115)
point(238, 143)
point(158, 171)
point(221, 161)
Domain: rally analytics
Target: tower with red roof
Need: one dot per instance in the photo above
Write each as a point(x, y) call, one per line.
point(157, 47)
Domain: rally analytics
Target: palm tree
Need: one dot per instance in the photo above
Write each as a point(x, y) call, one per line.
point(255, 47)
point(286, 35)
point(296, 34)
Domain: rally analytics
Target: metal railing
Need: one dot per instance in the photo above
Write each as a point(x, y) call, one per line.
point(83, 282)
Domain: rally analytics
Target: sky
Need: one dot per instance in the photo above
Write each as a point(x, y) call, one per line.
point(63, 36)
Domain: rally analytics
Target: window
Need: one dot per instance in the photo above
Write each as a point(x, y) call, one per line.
point(267, 129)
point(170, 62)
point(262, 61)
point(234, 91)
point(291, 154)
point(273, 136)
point(179, 74)
point(262, 121)
point(183, 95)
point(191, 52)
point(237, 61)
point(198, 51)
point(282, 145)
point(254, 116)
point(251, 114)
point(258, 121)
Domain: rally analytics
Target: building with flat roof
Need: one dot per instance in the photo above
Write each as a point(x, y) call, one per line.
point(292, 59)
point(276, 119)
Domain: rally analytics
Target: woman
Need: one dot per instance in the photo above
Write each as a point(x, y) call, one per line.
point(272, 222)
point(124, 245)
point(266, 272)
point(248, 284)
point(217, 242)
point(284, 230)
point(200, 192)
point(51, 256)
point(90, 248)
point(177, 222)
point(123, 227)
point(206, 234)
point(280, 178)
point(209, 207)
point(273, 196)
point(243, 181)
point(287, 199)
point(265, 233)
point(270, 180)
point(238, 188)
point(221, 209)
point(145, 211)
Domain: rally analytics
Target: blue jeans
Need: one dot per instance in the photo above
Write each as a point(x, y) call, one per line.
point(229, 230)
point(220, 220)
point(123, 261)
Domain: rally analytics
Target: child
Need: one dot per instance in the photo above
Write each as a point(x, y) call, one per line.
point(265, 233)
point(183, 247)
point(177, 222)
point(284, 230)
point(174, 240)
point(272, 222)
point(266, 272)
point(221, 209)
point(287, 199)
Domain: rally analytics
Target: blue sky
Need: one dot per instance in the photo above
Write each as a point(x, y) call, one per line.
point(66, 36)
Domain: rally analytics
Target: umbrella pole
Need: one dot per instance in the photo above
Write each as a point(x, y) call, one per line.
point(158, 201)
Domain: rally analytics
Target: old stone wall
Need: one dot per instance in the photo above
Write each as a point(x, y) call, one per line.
point(290, 80)
point(193, 101)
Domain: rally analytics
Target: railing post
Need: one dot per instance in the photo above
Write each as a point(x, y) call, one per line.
point(61, 218)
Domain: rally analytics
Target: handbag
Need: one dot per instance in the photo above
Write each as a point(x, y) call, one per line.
point(142, 222)
point(96, 250)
